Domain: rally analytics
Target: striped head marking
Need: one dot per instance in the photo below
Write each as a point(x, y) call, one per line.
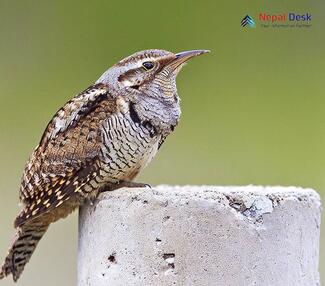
point(150, 72)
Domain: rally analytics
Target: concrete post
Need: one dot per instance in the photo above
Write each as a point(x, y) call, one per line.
point(206, 235)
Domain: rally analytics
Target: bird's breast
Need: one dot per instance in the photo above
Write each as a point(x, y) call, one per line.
point(127, 147)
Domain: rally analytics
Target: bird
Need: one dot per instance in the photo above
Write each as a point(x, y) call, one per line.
point(98, 141)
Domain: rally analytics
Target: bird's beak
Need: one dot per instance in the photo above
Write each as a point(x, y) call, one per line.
point(184, 57)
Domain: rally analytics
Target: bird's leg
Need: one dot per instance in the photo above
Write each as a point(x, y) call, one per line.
point(123, 184)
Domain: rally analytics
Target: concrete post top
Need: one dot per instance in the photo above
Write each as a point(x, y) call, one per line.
point(262, 197)
point(201, 235)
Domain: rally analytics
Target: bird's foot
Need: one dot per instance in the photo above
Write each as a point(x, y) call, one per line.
point(130, 184)
point(124, 184)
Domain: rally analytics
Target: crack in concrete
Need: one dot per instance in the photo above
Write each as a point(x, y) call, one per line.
point(253, 207)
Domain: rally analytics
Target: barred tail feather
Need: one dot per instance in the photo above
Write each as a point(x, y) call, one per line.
point(24, 244)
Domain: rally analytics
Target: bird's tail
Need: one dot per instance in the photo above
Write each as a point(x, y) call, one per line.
point(23, 246)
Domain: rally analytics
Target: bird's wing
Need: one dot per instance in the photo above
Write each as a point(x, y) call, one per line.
point(67, 156)
point(79, 106)
point(56, 191)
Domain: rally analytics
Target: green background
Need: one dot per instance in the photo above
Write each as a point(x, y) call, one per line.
point(253, 109)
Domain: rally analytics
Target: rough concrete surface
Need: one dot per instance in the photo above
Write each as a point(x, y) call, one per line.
point(205, 235)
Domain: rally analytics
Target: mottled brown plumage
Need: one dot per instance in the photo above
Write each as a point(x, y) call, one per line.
point(99, 140)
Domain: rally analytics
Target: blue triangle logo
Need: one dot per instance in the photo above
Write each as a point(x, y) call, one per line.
point(248, 21)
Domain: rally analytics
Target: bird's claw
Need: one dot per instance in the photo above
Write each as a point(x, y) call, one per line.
point(125, 184)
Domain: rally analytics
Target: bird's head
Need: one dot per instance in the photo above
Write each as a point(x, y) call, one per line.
point(150, 73)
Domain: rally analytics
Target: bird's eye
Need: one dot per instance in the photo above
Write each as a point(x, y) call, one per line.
point(148, 65)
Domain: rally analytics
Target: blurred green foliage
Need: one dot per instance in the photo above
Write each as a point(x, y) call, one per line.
point(253, 109)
